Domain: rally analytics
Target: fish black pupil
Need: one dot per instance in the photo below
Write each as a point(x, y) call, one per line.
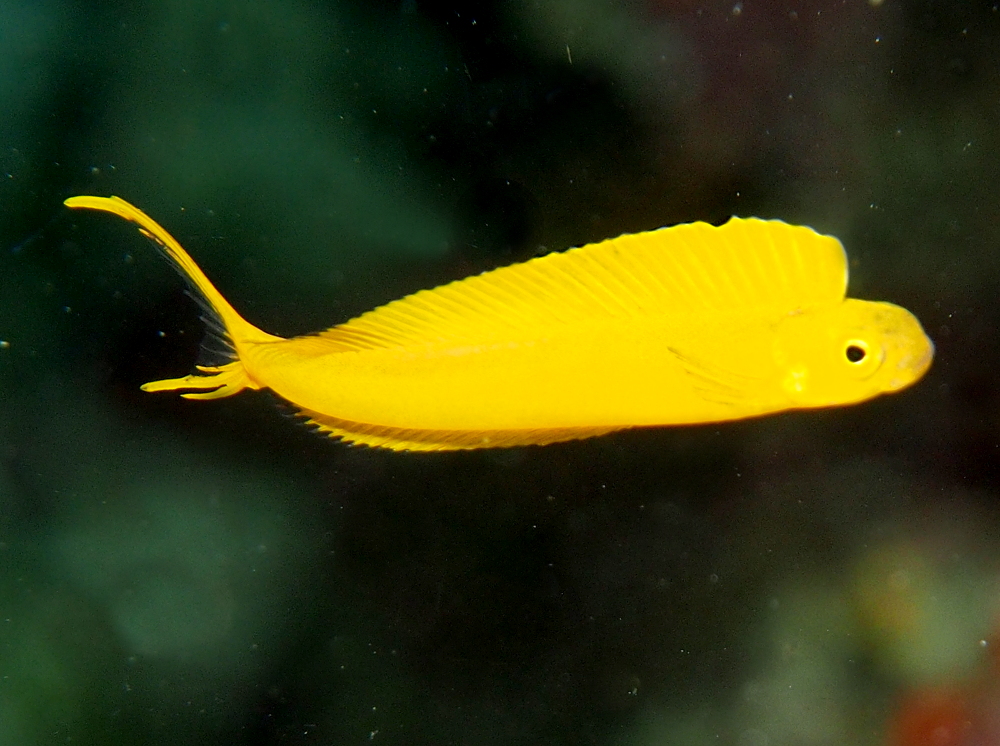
point(855, 354)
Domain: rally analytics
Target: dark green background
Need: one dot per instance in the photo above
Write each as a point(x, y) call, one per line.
point(212, 573)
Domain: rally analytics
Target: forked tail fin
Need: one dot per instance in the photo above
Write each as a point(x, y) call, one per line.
point(212, 381)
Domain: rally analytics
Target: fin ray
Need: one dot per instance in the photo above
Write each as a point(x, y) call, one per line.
point(212, 382)
point(695, 268)
point(404, 439)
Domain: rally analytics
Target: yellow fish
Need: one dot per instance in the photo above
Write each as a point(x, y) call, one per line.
point(682, 325)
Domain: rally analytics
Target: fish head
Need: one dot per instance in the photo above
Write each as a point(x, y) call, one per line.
point(849, 353)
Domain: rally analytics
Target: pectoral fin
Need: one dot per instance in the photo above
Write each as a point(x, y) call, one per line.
point(715, 382)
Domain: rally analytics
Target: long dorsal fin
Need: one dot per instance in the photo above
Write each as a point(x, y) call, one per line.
point(695, 268)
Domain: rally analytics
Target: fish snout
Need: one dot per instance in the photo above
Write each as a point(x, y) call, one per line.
point(913, 364)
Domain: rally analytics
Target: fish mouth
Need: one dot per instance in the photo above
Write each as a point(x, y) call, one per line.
point(925, 361)
point(911, 368)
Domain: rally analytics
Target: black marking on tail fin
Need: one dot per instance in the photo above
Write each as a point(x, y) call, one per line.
point(215, 351)
point(216, 346)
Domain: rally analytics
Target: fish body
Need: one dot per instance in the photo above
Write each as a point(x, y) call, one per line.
point(578, 376)
point(683, 325)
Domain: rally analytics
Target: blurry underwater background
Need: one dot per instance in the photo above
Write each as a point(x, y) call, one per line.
point(213, 573)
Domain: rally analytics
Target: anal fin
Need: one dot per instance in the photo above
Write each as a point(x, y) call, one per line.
point(411, 439)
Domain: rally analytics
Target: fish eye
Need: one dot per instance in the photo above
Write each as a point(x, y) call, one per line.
point(856, 351)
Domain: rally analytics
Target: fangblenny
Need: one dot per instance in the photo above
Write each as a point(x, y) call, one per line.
point(682, 325)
